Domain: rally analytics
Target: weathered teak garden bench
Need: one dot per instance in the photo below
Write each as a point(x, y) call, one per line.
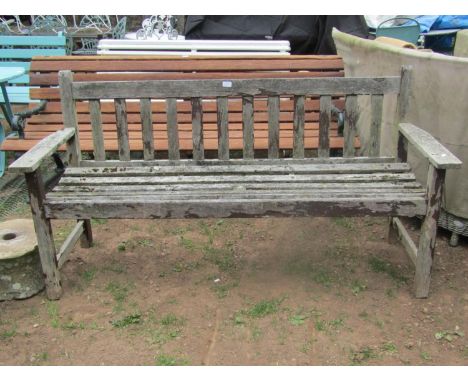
point(224, 187)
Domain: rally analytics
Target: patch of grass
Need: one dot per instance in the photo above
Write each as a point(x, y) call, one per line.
point(89, 274)
point(171, 319)
point(115, 266)
point(380, 266)
point(297, 319)
point(389, 347)
point(122, 246)
point(449, 335)
point(343, 222)
point(9, 333)
point(222, 290)
point(72, 325)
point(187, 243)
point(362, 355)
point(169, 360)
point(52, 311)
point(264, 308)
point(132, 319)
point(223, 258)
point(320, 325)
point(425, 356)
point(322, 276)
point(358, 287)
point(119, 293)
point(336, 323)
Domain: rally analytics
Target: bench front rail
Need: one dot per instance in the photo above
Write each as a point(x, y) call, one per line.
point(249, 187)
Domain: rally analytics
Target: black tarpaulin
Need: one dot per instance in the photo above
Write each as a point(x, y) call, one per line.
point(306, 34)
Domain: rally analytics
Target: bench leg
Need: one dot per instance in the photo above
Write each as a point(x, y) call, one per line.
point(392, 236)
point(87, 236)
point(45, 241)
point(427, 239)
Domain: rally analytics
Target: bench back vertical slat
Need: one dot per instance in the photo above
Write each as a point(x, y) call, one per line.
point(350, 125)
point(197, 128)
point(404, 95)
point(376, 124)
point(172, 130)
point(96, 125)
point(69, 114)
point(273, 126)
point(122, 128)
point(248, 126)
point(146, 115)
point(223, 127)
point(298, 127)
point(324, 126)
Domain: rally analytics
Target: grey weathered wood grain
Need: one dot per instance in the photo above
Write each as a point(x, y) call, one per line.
point(324, 126)
point(245, 87)
point(69, 243)
point(376, 125)
point(172, 129)
point(147, 128)
point(236, 162)
point(405, 238)
point(289, 169)
point(248, 126)
point(223, 127)
point(298, 127)
point(45, 241)
point(96, 125)
point(273, 126)
point(197, 129)
point(405, 93)
point(122, 209)
point(69, 114)
point(429, 147)
point(32, 159)
point(350, 125)
point(427, 239)
point(122, 128)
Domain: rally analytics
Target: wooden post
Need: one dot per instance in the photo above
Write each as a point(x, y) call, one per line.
point(45, 239)
point(427, 239)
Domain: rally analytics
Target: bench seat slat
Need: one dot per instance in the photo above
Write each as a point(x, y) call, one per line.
point(145, 208)
point(341, 168)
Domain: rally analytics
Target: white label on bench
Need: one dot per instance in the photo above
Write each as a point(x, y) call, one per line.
point(227, 84)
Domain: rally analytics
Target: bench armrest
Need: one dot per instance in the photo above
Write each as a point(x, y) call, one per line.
point(428, 146)
point(32, 159)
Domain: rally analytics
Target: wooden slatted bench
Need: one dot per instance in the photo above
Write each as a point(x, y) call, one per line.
point(44, 75)
point(224, 187)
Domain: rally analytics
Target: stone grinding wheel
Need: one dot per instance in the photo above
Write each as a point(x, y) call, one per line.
point(20, 266)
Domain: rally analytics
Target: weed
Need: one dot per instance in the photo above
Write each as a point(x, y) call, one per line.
point(364, 315)
point(264, 308)
point(52, 311)
point(305, 348)
point(89, 274)
point(389, 347)
point(115, 267)
point(145, 243)
point(239, 319)
point(171, 319)
point(358, 287)
point(343, 222)
point(5, 334)
point(390, 293)
point(222, 290)
point(362, 355)
point(381, 266)
point(119, 293)
point(425, 356)
point(337, 323)
point(122, 246)
point(71, 325)
point(449, 335)
point(320, 325)
point(298, 319)
point(168, 360)
point(223, 258)
point(187, 243)
point(132, 319)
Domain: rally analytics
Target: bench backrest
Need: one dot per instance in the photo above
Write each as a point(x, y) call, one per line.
point(18, 51)
point(44, 76)
point(219, 93)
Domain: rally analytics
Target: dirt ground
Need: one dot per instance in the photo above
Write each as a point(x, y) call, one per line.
point(243, 292)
